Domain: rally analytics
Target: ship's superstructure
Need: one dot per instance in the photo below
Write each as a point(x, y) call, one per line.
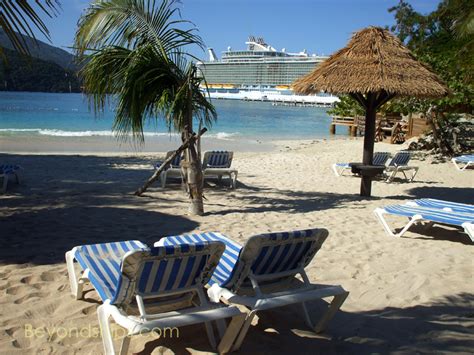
point(260, 73)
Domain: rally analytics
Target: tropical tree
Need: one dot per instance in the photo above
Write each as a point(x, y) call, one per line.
point(20, 17)
point(133, 50)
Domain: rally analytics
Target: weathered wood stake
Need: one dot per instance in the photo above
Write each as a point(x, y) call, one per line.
point(166, 163)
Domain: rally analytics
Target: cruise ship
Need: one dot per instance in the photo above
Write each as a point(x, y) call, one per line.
point(260, 73)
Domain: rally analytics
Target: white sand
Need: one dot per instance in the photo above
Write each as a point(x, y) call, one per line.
point(410, 294)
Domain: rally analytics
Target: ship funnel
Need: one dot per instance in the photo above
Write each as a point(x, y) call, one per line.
point(212, 55)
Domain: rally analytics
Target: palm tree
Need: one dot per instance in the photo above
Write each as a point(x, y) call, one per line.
point(19, 18)
point(133, 50)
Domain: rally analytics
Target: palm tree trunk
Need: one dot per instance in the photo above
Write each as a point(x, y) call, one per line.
point(192, 168)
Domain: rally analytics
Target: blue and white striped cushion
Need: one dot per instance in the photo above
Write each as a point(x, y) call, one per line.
point(285, 256)
point(218, 159)
point(465, 158)
point(276, 252)
point(104, 264)
point(228, 260)
point(454, 206)
point(431, 214)
point(9, 168)
point(400, 159)
point(172, 273)
point(380, 158)
point(175, 163)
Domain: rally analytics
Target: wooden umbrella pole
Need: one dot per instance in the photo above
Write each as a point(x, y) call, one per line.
point(369, 140)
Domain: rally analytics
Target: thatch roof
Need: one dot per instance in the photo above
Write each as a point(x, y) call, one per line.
point(374, 60)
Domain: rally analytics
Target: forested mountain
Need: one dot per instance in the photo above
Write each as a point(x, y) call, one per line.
point(20, 73)
point(44, 51)
point(49, 69)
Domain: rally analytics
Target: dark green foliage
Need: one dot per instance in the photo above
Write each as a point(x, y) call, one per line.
point(347, 107)
point(21, 73)
point(22, 17)
point(440, 39)
point(41, 50)
point(134, 50)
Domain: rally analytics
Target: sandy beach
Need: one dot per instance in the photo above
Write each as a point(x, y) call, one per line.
point(412, 294)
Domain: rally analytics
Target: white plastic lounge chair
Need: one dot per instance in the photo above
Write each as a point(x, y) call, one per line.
point(174, 170)
point(399, 163)
point(217, 164)
point(8, 172)
point(258, 275)
point(166, 283)
point(444, 205)
point(380, 158)
point(463, 162)
point(418, 214)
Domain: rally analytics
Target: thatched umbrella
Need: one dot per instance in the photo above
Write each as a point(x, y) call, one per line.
point(373, 68)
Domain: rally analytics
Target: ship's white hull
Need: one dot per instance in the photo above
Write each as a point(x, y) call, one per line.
point(276, 97)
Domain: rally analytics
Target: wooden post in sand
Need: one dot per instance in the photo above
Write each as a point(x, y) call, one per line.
point(166, 163)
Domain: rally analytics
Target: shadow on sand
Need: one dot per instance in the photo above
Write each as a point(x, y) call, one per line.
point(439, 327)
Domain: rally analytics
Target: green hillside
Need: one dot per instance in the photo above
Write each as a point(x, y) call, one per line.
point(44, 51)
point(20, 73)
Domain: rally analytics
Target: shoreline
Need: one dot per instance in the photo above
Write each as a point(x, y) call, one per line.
point(110, 145)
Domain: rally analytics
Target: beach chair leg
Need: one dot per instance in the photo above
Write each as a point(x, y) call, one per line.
point(243, 331)
point(405, 176)
point(163, 179)
point(125, 345)
point(469, 229)
point(456, 164)
point(5, 183)
point(233, 329)
point(415, 171)
point(392, 175)
point(210, 334)
point(334, 306)
point(75, 283)
point(334, 168)
point(221, 327)
point(379, 212)
point(233, 177)
point(103, 315)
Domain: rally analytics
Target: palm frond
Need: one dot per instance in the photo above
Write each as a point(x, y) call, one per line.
point(131, 23)
point(142, 66)
point(19, 18)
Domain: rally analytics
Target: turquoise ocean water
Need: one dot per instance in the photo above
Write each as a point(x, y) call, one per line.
point(68, 115)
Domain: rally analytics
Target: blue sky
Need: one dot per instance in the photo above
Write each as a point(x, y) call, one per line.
point(319, 26)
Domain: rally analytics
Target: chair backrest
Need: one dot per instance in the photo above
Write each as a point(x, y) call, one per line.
point(8, 168)
point(380, 158)
point(217, 159)
point(176, 162)
point(400, 159)
point(160, 271)
point(273, 256)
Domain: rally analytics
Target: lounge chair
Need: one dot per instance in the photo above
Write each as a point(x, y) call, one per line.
point(444, 205)
point(166, 283)
point(259, 274)
point(417, 214)
point(463, 162)
point(217, 164)
point(174, 170)
point(380, 158)
point(7, 172)
point(399, 163)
